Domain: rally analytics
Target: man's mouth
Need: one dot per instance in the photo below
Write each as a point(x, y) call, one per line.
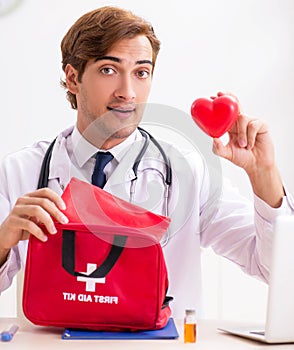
point(121, 109)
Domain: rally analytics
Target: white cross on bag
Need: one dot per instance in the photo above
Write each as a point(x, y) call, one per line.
point(90, 282)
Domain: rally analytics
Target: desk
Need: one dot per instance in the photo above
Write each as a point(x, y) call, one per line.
point(30, 337)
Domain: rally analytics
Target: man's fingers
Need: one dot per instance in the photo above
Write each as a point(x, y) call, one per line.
point(220, 150)
point(30, 207)
point(247, 130)
point(27, 227)
point(242, 131)
point(254, 127)
point(48, 194)
point(35, 215)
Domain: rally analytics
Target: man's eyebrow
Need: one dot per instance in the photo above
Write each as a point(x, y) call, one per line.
point(109, 58)
point(118, 60)
point(144, 61)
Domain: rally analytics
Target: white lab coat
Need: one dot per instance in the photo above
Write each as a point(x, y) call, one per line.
point(202, 215)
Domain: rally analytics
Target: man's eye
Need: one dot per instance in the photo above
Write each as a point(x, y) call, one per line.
point(143, 74)
point(107, 71)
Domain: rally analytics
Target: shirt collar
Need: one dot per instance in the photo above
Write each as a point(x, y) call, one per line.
point(84, 150)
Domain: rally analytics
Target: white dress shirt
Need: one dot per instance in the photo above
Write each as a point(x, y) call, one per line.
point(200, 217)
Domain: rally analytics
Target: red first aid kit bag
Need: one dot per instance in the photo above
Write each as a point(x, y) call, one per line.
point(104, 270)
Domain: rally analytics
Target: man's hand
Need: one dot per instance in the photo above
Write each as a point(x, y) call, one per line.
point(38, 207)
point(251, 148)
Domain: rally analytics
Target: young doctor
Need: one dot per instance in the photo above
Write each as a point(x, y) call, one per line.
point(109, 56)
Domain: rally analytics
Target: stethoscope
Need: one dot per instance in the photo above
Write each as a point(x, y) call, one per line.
point(167, 179)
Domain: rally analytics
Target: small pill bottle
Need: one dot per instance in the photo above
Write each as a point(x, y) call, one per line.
point(190, 326)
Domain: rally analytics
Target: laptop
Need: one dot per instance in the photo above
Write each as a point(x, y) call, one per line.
point(279, 327)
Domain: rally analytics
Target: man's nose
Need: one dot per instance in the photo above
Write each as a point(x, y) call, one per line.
point(125, 89)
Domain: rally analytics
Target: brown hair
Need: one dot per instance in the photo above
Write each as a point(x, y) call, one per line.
point(93, 35)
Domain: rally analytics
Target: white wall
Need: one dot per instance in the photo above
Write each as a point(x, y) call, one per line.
point(207, 46)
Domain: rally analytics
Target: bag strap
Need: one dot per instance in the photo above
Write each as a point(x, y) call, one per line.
point(68, 236)
point(68, 255)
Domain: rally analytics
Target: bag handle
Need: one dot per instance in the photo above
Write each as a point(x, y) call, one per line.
point(68, 255)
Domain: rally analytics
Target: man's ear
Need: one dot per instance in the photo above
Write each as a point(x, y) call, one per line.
point(71, 79)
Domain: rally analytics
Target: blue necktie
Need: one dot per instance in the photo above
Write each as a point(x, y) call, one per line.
point(98, 176)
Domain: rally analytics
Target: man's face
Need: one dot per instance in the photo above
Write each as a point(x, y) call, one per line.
point(111, 91)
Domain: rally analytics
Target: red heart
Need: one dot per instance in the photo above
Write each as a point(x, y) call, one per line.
point(215, 116)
